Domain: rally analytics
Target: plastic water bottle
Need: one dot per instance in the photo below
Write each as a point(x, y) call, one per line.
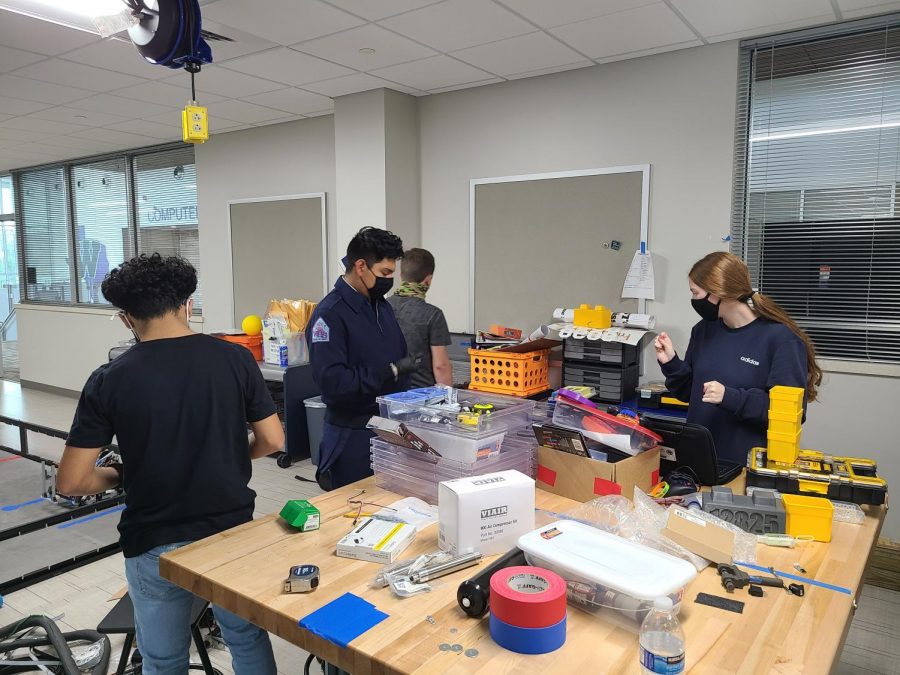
point(662, 640)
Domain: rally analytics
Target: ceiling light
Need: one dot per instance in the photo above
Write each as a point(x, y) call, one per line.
point(367, 51)
point(78, 15)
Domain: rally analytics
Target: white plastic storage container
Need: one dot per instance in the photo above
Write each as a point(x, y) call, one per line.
point(606, 573)
point(460, 411)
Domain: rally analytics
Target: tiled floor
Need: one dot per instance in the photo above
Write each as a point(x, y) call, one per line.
point(82, 596)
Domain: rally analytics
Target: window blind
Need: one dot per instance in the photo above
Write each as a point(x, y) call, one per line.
point(102, 235)
point(166, 206)
point(44, 219)
point(817, 163)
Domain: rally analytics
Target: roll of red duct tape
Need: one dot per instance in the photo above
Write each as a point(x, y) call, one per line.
point(528, 597)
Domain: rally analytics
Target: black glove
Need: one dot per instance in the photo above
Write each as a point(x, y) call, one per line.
point(405, 366)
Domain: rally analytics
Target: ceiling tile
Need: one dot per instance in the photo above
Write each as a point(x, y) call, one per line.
point(19, 135)
point(282, 21)
point(772, 28)
point(48, 149)
point(467, 85)
point(40, 92)
point(351, 84)
point(24, 32)
point(85, 118)
point(433, 73)
point(148, 128)
point(241, 111)
point(79, 75)
point(647, 52)
point(16, 106)
point(164, 93)
point(552, 14)
point(294, 101)
point(241, 45)
point(119, 56)
point(715, 17)
point(219, 125)
point(120, 105)
point(82, 146)
point(228, 83)
point(520, 54)
point(624, 32)
point(373, 10)
point(45, 127)
point(287, 66)
point(555, 69)
point(115, 137)
point(10, 59)
point(869, 10)
point(457, 24)
point(320, 113)
point(852, 5)
point(344, 48)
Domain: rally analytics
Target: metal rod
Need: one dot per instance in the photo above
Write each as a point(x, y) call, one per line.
point(447, 567)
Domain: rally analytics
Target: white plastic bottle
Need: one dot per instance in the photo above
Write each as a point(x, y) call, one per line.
point(662, 640)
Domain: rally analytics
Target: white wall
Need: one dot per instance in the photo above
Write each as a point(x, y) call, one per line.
point(673, 111)
point(281, 159)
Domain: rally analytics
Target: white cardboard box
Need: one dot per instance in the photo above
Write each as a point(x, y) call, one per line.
point(375, 540)
point(485, 513)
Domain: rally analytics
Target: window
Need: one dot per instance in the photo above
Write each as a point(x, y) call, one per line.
point(9, 260)
point(102, 236)
point(44, 221)
point(816, 212)
point(166, 202)
point(82, 219)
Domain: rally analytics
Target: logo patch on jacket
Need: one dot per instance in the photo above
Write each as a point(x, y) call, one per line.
point(320, 331)
point(745, 359)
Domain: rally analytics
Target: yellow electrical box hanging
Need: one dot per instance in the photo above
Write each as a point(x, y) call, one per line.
point(194, 124)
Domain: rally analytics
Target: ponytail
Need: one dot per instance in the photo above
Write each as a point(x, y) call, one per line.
point(768, 308)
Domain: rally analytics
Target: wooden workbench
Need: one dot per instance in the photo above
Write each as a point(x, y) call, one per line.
point(243, 569)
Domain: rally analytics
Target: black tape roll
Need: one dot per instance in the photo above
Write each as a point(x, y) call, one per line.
point(474, 594)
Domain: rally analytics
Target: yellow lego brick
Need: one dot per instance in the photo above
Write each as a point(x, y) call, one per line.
point(592, 317)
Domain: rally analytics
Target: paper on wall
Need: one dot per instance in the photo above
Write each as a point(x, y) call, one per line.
point(639, 280)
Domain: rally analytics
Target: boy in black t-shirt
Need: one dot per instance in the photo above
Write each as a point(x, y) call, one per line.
point(178, 404)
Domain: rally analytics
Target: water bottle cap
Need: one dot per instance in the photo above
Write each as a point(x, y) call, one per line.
point(663, 604)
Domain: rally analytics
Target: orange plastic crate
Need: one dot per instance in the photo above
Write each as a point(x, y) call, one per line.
point(522, 374)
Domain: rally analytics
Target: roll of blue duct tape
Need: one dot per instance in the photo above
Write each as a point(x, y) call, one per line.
point(528, 640)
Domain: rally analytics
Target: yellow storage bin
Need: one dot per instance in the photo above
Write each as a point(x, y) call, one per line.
point(783, 448)
point(785, 423)
point(786, 399)
point(808, 516)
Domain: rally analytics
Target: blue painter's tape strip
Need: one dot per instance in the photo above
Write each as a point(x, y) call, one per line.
point(16, 507)
point(794, 577)
point(93, 516)
point(643, 247)
point(343, 619)
point(528, 640)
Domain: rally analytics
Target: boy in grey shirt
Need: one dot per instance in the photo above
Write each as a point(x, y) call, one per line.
point(423, 325)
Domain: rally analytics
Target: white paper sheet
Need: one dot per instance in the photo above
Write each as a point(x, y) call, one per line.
point(639, 280)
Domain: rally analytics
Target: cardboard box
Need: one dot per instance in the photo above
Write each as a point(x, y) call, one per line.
point(699, 536)
point(375, 540)
point(485, 513)
point(583, 478)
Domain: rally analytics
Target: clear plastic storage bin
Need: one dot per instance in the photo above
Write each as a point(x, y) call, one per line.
point(413, 473)
point(460, 411)
point(621, 434)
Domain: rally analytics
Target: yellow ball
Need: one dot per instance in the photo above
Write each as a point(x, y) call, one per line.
point(252, 325)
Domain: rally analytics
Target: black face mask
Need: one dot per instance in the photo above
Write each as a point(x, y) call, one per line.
point(706, 309)
point(381, 287)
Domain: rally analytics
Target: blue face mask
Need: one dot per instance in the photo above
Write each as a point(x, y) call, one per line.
point(706, 309)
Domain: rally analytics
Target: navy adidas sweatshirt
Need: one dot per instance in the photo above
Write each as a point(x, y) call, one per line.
point(748, 361)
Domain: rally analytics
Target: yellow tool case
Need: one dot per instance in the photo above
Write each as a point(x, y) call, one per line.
point(846, 479)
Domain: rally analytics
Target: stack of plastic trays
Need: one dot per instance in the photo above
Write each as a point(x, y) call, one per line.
point(416, 474)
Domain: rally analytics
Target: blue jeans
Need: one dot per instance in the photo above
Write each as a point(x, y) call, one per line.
point(162, 613)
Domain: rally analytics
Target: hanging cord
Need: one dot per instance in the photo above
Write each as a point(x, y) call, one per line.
point(193, 90)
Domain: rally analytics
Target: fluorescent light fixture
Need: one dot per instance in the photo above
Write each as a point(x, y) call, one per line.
point(78, 14)
point(762, 138)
